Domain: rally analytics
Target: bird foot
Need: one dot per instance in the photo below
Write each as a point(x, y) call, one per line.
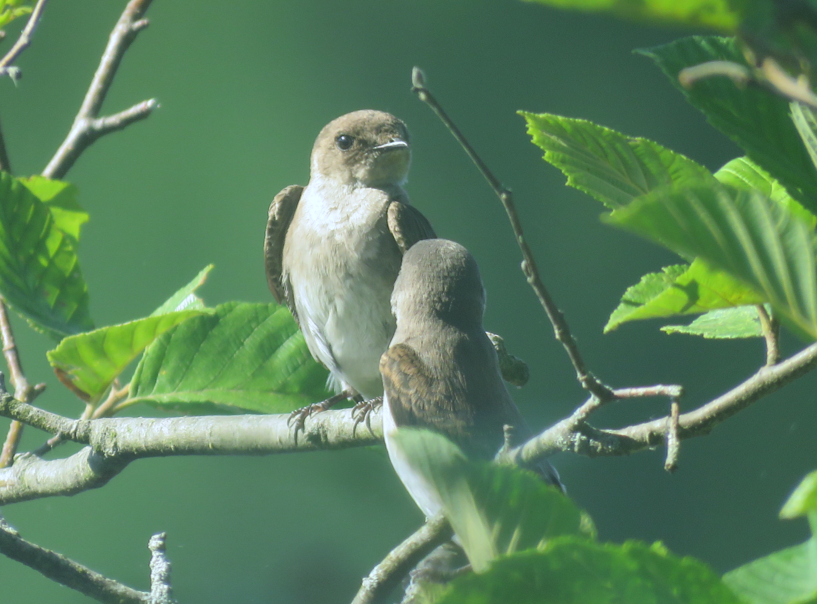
point(299, 416)
point(362, 411)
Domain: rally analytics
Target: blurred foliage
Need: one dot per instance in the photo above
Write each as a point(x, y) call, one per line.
point(11, 9)
point(527, 542)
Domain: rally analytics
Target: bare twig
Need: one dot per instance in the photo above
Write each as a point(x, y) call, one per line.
point(22, 42)
point(575, 434)
point(88, 126)
point(67, 572)
point(560, 327)
point(385, 577)
point(673, 442)
point(23, 391)
point(771, 332)
point(161, 590)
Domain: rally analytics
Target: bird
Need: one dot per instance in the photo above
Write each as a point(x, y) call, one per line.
point(333, 249)
point(441, 371)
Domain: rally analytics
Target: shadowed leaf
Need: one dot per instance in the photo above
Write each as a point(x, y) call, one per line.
point(39, 270)
point(756, 119)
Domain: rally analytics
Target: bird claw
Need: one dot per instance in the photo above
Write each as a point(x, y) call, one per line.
point(298, 417)
point(362, 412)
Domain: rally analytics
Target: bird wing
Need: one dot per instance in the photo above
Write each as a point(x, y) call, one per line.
point(281, 211)
point(417, 399)
point(408, 225)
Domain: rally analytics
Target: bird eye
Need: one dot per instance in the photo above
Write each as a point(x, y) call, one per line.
point(344, 142)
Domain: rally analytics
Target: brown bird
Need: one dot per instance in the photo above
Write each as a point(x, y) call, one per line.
point(441, 372)
point(333, 248)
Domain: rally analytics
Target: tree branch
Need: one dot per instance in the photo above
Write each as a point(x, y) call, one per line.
point(576, 435)
point(88, 126)
point(115, 442)
point(69, 573)
point(22, 42)
point(385, 577)
point(560, 327)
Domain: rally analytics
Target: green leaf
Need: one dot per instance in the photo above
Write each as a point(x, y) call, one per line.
point(61, 199)
point(743, 233)
point(493, 509)
point(790, 575)
point(572, 570)
point(721, 15)
point(806, 124)
point(803, 500)
point(609, 166)
point(743, 173)
point(185, 298)
point(727, 323)
point(245, 357)
point(12, 9)
point(89, 362)
point(785, 577)
point(756, 119)
point(39, 269)
point(680, 290)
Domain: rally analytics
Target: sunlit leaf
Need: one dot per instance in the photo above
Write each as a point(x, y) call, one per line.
point(721, 15)
point(609, 166)
point(12, 9)
point(756, 119)
point(803, 500)
point(185, 298)
point(39, 269)
point(245, 357)
point(681, 290)
point(571, 570)
point(724, 324)
point(89, 362)
point(743, 173)
point(743, 233)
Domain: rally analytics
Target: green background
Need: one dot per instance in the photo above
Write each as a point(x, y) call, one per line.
point(245, 87)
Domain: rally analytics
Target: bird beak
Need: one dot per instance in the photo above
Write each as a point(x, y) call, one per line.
point(392, 145)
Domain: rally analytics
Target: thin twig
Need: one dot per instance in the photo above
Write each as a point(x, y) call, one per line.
point(560, 327)
point(673, 442)
point(88, 126)
point(385, 577)
point(161, 590)
point(22, 42)
point(67, 572)
point(771, 333)
point(575, 434)
point(23, 391)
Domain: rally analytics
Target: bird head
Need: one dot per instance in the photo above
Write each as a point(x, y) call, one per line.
point(369, 148)
point(439, 278)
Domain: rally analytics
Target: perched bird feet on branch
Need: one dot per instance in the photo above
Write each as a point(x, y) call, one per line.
point(362, 411)
point(298, 417)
